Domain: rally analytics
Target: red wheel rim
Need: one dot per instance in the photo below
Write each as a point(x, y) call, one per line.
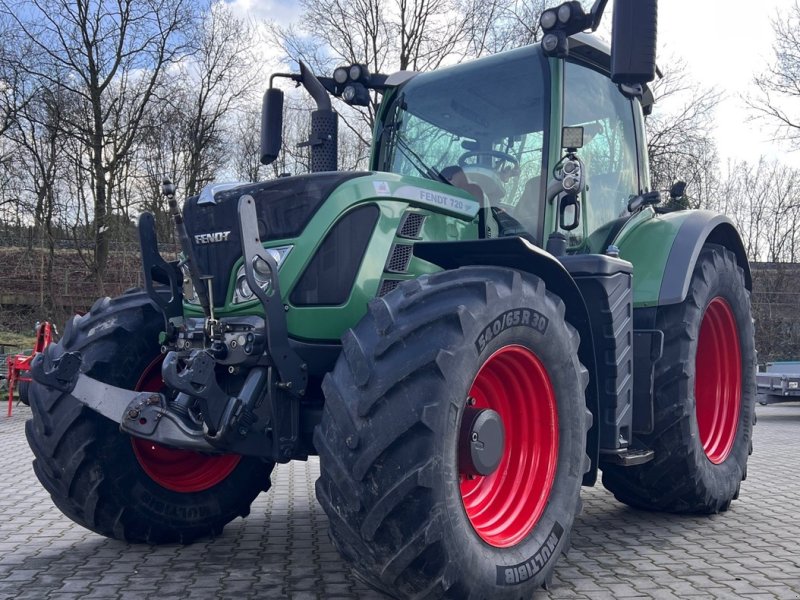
point(718, 380)
point(505, 506)
point(178, 470)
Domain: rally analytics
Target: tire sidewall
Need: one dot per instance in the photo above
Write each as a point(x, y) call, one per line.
point(544, 543)
point(723, 281)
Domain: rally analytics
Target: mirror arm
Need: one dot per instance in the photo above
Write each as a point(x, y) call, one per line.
point(642, 200)
point(596, 14)
point(296, 77)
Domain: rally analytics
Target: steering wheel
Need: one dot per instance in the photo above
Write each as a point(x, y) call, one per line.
point(488, 178)
point(499, 154)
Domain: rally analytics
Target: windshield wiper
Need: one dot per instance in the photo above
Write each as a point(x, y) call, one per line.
point(409, 154)
point(419, 164)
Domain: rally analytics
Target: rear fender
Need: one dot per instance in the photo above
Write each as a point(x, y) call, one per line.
point(699, 228)
point(517, 253)
point(664, 250)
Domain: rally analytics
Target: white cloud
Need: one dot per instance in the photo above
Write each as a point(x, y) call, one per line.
point(282, 12)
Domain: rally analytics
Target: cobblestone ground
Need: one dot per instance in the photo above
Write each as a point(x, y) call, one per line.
point(282, 549)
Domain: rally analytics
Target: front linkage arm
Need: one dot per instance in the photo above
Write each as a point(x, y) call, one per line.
point(285, 390)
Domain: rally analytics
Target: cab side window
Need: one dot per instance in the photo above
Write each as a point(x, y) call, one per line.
point(609, 148)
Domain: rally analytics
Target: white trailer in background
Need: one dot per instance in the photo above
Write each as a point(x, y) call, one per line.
point(779, 382)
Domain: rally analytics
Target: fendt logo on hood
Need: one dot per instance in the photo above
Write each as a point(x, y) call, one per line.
point(212, 238)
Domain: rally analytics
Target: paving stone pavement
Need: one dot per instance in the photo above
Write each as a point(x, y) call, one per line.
point(282, 550)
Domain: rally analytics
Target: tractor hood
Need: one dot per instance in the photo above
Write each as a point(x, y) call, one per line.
point(284, 207)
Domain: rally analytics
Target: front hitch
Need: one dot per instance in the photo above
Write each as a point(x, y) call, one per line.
point(261, 420)
point(142, 414)
point(156, 270)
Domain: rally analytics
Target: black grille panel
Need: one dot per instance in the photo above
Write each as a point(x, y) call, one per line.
point(328, 278)
point(387, 285)
point(411, 226)
point(399, 258)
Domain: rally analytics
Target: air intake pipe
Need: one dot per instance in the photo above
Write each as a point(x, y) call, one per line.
point(324, 124)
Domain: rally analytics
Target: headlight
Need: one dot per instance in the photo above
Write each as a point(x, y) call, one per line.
point(340, 75)
point(261, 270)
point(243, 290)
point(564, 13)
point(349, 94)
point(548, 19)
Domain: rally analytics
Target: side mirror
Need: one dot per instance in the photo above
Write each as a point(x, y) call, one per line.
point(633, 42)
point(271, 125)
point(678, 190)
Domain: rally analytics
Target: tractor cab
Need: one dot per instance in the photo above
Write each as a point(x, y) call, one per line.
point(493, 127)
point(480, 126)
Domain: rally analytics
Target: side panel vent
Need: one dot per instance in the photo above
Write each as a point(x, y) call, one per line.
point(399, 258)
point(387, 285)
point(411, 226)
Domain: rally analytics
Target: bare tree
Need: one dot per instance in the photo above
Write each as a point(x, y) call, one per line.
point(39, 138)
point(217, 80)
point(776, 101)
point(245, 146)
point(680, 139)
point(159, 153)
point(502, 25)
point(110, 56)
point(763, 200)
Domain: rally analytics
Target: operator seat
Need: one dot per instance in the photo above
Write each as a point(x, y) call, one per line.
point(508, 225)
point(456, 176)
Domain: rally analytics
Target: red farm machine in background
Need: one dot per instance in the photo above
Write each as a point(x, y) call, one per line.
point(19, 364)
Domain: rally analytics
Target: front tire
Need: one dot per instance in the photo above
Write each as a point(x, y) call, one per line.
point(115, 485)
point(405, 510)
point(705, 393)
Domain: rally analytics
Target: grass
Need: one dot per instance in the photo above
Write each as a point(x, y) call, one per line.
point(21, 341)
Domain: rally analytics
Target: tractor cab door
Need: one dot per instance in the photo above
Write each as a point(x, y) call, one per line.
point(610, 152)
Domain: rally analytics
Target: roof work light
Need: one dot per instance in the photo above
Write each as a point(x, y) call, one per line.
point(561, 22)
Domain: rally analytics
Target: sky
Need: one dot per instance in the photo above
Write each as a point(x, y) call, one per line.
point(724, 43)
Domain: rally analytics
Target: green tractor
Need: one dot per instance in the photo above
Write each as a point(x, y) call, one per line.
point(465, 334)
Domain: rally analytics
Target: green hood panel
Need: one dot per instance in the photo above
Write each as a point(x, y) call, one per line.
point(450, 214)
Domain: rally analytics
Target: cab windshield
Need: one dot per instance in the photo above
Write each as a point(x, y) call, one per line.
point(479, 126)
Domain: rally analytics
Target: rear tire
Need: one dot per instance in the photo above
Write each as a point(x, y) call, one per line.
point(402, 511)
point(705, 393)
point(91, 469)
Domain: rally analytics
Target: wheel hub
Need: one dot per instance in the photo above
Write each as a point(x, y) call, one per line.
point(513, 397)
point(481, 442)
